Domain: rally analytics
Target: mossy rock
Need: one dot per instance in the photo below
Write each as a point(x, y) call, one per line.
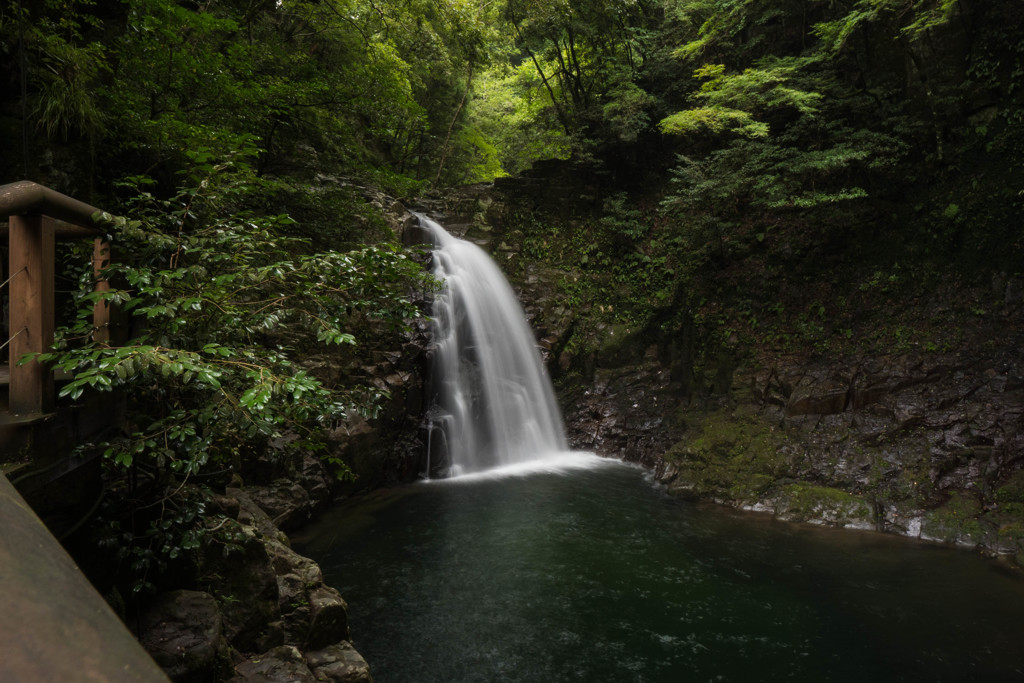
point(958, 521)
point(1012, 492)
point(730, 456)
point(804, 502)
point(616, 346)
point(751, 488)
point(1011, 532)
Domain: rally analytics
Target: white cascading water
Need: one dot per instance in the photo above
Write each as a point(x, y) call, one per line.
point(491, 401)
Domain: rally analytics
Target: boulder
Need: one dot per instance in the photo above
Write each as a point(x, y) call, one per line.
point(247, 586)
point(183, 633)
point(339, 663)
point(287, 503)
point(282, 664)
point(328, 618)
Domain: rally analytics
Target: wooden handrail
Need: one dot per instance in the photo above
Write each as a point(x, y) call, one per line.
point(26, 197)
point(38, 216)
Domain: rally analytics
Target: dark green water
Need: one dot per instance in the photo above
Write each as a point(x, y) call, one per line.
point(594, 575)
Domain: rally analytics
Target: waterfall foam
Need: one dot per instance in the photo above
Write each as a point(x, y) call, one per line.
point(490, 395)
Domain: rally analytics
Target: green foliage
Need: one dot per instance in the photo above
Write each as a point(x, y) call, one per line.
point(625, 112)
point(226, 303)
point(714, 120)
point(343, 83)
point(64, 65)
point(147, 550)
point(758, 89)
point(223, 305)
point(587, 53)
point(511, 111)
point(482, 158)
point(65, 103)
point(616, 269)
point(734, 100)
point(913, 20)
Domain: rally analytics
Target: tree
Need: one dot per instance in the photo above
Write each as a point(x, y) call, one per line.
point(588, 54)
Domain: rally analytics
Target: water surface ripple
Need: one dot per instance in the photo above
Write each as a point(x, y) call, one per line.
point(594, 575)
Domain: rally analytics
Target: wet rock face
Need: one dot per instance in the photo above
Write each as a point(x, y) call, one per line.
point(927, 446)
point(284, 663)
point(622, 413)
point(955, 419)
point(339, 663)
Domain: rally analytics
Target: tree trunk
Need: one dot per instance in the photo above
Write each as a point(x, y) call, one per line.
point(451, 126)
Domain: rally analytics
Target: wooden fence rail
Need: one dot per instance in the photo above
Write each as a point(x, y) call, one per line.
point(38, 216)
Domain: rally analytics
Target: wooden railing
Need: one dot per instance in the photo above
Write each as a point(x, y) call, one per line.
point(53, 623)
point(38, 216)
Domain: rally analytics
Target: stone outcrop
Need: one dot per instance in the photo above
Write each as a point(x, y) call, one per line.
point(282, 663)
point(265, 614)
point(339, 663)
point(929, 446)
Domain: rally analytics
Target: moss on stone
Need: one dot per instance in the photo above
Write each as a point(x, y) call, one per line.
point(616, 345)
point(802, 501)
point(1012, 491)
point(955, 522)
point(740, 458)
point(729, 455)
point(1012, 532)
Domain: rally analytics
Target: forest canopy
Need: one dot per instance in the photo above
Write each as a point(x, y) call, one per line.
point(410, 93)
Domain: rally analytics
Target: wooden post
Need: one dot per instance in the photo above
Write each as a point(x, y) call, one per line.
point(31, 312)
point(101, 309)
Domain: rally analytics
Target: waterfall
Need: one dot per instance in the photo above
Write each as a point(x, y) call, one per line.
point(490, 396)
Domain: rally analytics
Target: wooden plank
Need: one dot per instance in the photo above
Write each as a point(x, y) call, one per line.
point(101, 310)
point(31, 312)
point(26, 198)
point(54, 625)
point(62, 231)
